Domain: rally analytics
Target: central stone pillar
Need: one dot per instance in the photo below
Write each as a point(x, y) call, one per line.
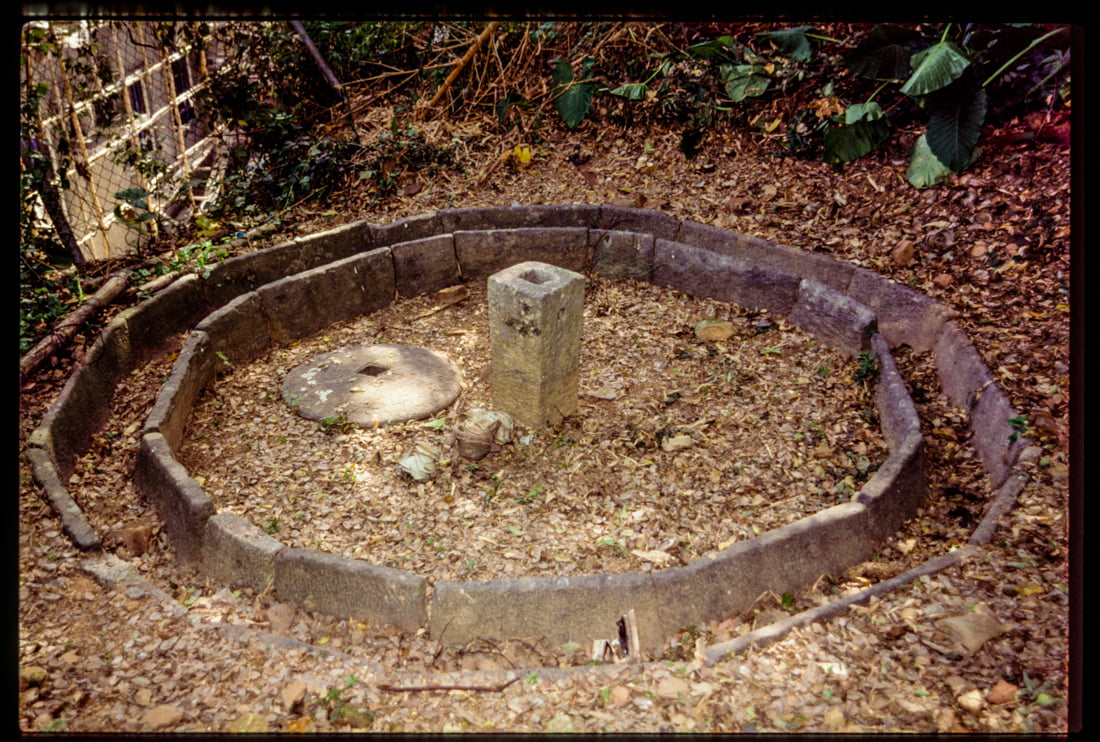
point(535, 318)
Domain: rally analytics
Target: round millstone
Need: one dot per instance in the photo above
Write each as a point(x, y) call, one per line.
point(373, 385)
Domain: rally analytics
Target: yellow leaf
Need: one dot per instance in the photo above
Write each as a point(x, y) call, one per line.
point(521, 156)
point(1030, 590)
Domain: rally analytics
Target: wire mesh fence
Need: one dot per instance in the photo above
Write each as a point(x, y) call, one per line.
point(116, 117)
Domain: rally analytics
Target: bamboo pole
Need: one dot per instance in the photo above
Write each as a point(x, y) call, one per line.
point(469, 55)
point(177, 122)
point(82, 165)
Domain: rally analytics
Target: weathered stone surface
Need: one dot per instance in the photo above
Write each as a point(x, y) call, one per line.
point(173, 310)
point(700, 272)
point(347, 588)
point(83, 405)
point(72, 518)
point(486, 251)
point(236, 552)
point(897, 414)
point(373, 385)
point(896, 489)
point(998, 444)
point(757, 251)
point(425, 265)
point(789, 558)
point(621, 254)
point(406, 230)
point(535, 216)
point(192, 369)
point(238, 332)
point(180, 502)
point(642, 221)
point(304, 303)
point(561, 609)
point(833, 318)
point(960, 368)
point(536, 314)
point(905, 316)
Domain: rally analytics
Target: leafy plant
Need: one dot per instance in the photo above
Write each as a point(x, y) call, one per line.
point(949, 77)
point(572, 96)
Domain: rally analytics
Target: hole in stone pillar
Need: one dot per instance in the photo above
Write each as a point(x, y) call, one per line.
point(373, 370)
point(532, 276)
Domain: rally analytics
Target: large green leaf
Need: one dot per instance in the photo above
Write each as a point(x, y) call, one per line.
point(743, 81)
point(864, 129)
point(631, 91)
point(721, 48)
point(955, 125)
point(924, 168)
point(885, 53)
point(571, 99)
point(792, 42)
point(935, 68)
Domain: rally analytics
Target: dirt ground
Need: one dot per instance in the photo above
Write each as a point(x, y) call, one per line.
point(994, 244)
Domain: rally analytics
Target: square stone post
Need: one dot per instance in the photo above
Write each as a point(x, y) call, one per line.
point(535, 319)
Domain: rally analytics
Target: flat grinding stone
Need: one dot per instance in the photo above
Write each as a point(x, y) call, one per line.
point(373, 384)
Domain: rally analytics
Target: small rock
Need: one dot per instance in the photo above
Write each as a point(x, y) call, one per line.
point(946, 720)
point(1002, 692)
point(293, 695)
point(672, 687)
point(248, 723)
point(902, 255)
point(161, 716)
point(677, 442)
point(620, 694)
point(32, 675)
point(834, 720)
point(143, 697)
point(943, 280)
point(713, 330)
point(971, 630)
point(561, 724)
point(972, 701)
point(281, 616)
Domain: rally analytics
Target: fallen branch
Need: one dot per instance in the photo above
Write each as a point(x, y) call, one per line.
point(486, 688)
point(461, 65)
point(63, 332)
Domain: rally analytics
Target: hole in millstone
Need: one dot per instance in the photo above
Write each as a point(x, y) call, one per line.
point(372, 370)
point(532, 276)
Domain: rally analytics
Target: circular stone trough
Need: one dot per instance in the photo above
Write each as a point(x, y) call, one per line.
point(373, 385)
point(279, 294)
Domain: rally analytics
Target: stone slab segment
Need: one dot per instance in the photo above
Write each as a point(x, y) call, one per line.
point(701, 272)
point(73, 522)
point(960, 368)
point(898, 416)
point(483, 252)
point(621, 255)
point(757, 251)
point(536, 315)
point(785, 559)
point(896, 490)
point(153, 324)
point(905, 316)
point(558, 609)
point(425, 265)
point(997, 443)
point(242, 273)
point(1000, 504)
point(191, 371)
point(306, 302)
point(236, 552)
point(179, 500)
point(406, 229)
point(83, 406)
point(642, 221)
point(347, 588)
point(535, 216)
point(833, 318)
point(238, 332)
